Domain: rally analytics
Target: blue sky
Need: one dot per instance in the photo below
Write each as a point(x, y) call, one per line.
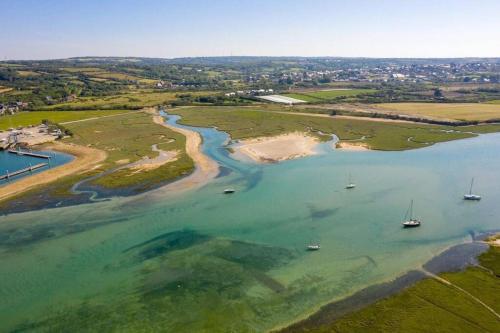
point(46, 29)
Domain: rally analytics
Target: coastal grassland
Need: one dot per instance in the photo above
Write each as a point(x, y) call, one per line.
point(127, 139)
point(454, 111)
point(326, 95)
point(430, 305)
point(36, 117)
point(245, 123)
point(132, 100)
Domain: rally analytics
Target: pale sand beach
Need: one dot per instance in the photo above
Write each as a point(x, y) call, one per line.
point(277, 148)
point(85, 159)
point(358, 146)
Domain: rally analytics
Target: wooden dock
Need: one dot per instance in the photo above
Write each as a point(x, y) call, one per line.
point(27, 153)
point(20, 172)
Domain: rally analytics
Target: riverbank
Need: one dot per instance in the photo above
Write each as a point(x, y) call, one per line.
point(205, 168)
point(85, 159)
point(457, 287)
point(276, 148)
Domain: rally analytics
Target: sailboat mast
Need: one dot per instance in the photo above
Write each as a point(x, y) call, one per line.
point(411, 209)
point(471, 183)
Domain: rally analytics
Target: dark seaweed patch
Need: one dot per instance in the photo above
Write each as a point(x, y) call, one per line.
point(268, 281)
point(316, 213)
point(224, 171)
point(27, 235)
point(170, 241)
point(254, 256)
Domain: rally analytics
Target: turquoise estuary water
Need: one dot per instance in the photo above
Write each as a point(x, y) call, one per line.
point(204, 261)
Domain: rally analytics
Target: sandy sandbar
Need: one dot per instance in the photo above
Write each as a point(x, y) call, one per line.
point(358, 146)
point(205, 168)
point(277, 148)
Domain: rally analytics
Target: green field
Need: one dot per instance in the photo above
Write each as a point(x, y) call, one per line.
point(36, 117)
point(243, 123)
point(431, 306)
point(455, 111)
point(327, 95)
point(133, 100)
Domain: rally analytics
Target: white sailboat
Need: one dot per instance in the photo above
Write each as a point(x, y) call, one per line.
point(350, 185)
point(471, 196)
point(411, 222)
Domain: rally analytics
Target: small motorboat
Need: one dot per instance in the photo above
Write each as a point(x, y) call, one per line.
point(411, 222)
point(229, 190)
point(470, 195)
point(313, 247)
point(350, 185)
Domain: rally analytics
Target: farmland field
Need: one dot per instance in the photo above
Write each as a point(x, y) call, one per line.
point(103, 74)
point(325, 95)
point(459, 111)
point(134, 100)
point(36, 117)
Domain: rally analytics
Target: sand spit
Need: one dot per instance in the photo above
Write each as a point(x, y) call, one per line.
point(205, 168)
point(358, 146)
point(277, 148)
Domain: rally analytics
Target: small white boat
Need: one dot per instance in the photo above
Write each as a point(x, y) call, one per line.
point(313, 247)
point(350, 185)
point(229, 190)
point(411, 222)
point(470, 196)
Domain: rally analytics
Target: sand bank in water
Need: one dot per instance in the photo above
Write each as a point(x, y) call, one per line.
point(352, 146)
point(277, 148)
point(205, 168)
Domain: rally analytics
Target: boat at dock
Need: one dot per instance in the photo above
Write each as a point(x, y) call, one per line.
point(470, 196)
point(410, 221)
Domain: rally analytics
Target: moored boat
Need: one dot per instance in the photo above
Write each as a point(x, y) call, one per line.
point(313, 247)
point(470, 195)
point(350, 185)
point(411, 222)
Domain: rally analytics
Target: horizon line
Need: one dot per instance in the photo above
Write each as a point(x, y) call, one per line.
point(257, 56)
